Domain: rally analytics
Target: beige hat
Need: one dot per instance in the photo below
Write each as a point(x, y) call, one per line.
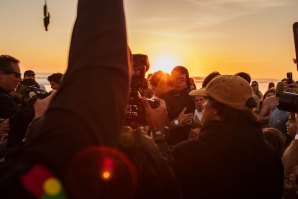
point(199, 92)
point(230, 90)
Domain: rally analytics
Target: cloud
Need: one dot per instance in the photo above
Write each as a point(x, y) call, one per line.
point(177, 18)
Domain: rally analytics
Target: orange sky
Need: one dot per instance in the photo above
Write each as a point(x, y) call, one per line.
point(205, 35)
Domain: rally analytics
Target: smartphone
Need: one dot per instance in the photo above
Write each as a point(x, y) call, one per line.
point(290, 78)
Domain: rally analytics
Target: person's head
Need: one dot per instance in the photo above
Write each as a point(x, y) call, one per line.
point(180, 78)
point(192, 84)
point(275, 138)
point(199, 102)
point(228, 98)
point(55, 80)
point(29, 74)
point(269, 93)
point(291, 125)
point(255, 86)
point(10, 75)
point(160, 83)
point(245, 76)
point(271, 85)
point(209, 77)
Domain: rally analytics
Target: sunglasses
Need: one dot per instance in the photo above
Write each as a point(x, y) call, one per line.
point(16, 74)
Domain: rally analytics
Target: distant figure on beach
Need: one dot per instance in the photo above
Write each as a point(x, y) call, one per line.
point(192, 84)
point(255, 88)
point(55, 80)
point(271, 85)
point(30, 74)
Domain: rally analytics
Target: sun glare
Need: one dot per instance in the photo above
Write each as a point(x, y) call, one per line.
point(165, 63)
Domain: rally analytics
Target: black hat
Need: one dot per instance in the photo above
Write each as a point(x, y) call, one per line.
point(28, 73)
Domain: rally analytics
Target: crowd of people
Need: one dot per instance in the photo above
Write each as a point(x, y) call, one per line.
point(224, 140)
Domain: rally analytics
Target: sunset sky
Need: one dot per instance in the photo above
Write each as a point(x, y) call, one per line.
point(228, 36)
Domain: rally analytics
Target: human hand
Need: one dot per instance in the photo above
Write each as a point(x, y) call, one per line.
point(156, 117)
point(185, 118)
point(41, 105)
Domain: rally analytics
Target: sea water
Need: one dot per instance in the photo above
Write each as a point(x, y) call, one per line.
point(41, 78)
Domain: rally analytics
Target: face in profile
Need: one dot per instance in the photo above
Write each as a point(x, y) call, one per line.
point(292, 125)
point(209, 113)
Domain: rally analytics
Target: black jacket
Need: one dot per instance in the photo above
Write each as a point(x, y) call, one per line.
point(229, 161)
point(8, 107)
point(175, 102)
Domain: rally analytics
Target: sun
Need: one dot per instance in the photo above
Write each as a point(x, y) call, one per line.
point(164, 63)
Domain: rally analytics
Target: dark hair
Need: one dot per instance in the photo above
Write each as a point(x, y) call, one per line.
point(160, 77)
point(209, 77)
point(245, 76)
point(5, 62)
point(229, 114)
point(275, 138)
point(271, 85)
point(268, 91)
point(182, 70)
point(55, 77)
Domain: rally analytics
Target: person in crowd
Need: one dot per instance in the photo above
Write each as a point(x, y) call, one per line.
point(76, 147)
point(270, 92)
point(291, 125)
point(199, 100)
point(55, 80)
point(30, 74)
point(180, 106)
point(229, 159)
point(268, 104)
point(271, 85)
point(161, 84)
point(277, 117)
point(255, 88)
point(247, 77)
point(275, 138)
point(192, 84)
point(10, 77)
point(209, 77)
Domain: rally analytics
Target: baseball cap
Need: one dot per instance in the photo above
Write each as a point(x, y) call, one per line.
point(230, 90)
point(28, 73)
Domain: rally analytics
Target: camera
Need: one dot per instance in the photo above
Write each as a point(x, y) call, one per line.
point(289, 78)
point(288, 101)
point(39, 93)
point(135, 114)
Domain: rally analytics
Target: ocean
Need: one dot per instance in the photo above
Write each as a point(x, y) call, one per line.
point(41, 78)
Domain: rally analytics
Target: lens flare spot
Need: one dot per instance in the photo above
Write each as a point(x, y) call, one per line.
point(106, 175)
point(52, 186)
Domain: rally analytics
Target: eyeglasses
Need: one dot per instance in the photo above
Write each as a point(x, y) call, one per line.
point(16, 74)
point(180, 79)
point(254, 85)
